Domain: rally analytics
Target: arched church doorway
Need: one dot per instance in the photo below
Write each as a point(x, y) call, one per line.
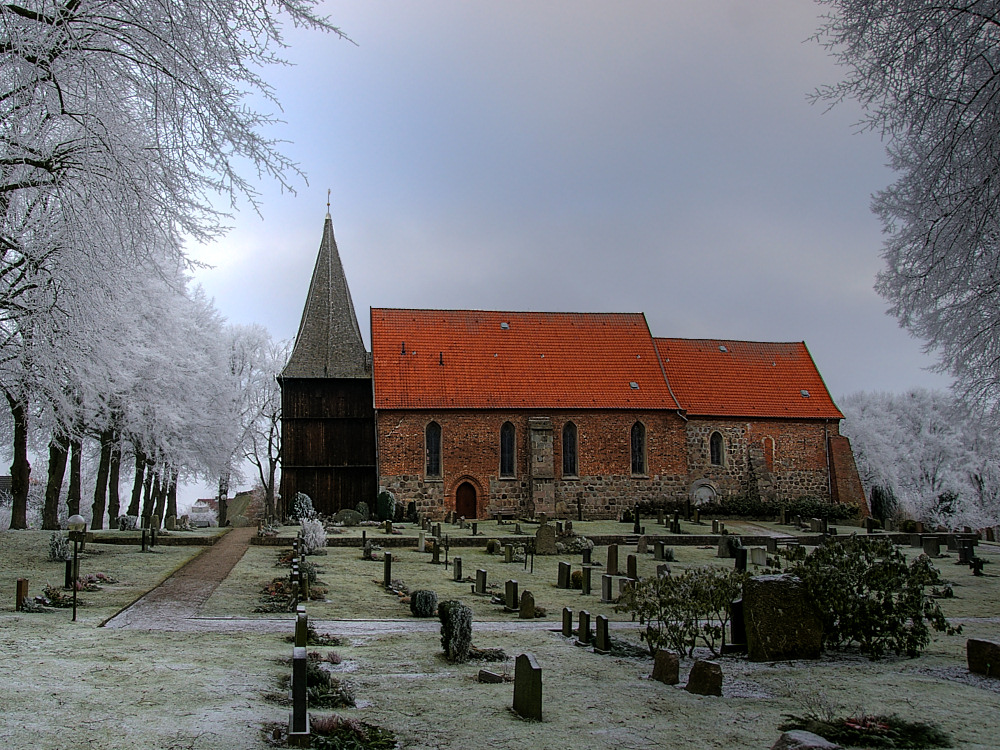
point(465, 500)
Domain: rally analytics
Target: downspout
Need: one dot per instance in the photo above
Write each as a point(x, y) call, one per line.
point(826, 446)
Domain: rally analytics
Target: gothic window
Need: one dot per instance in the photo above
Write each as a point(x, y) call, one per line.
point(638, 448)
point(715, 449)
point(432, 441)
point(569, 450)
point(507, 450)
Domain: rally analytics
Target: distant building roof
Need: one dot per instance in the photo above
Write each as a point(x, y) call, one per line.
point(329, 343)
point(720, 377)
point(474, 359)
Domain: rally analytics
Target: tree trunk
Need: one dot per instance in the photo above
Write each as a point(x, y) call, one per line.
point(272, 466)
point(140, 470)
point(160, 496)
point(101, 488)
point(75, 462)
point(147, 488)
point(20, 469)
point(58, 452)
point(114, 475)
point(172, 495)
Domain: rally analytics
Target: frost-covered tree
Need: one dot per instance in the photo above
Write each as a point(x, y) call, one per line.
point(927, 77)
point(929, 452)
point(255, 362)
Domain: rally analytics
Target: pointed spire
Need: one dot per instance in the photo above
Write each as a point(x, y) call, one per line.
point(328, 344)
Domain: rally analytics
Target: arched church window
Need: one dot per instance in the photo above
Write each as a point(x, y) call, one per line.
point(715, 449)
point(569, 450)
point(638, 448)
point(507, 450)
point(432, 442)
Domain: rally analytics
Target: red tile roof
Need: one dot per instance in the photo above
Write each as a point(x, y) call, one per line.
point(472, 359)
point(715, 377)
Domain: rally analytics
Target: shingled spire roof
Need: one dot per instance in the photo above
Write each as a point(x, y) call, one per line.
point(328, 344)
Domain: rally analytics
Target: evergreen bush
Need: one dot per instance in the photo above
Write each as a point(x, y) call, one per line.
point(362, 509)
point(313, 536)
point(456, 630)
point(423, 603)
point(302, 507)
point(385, 506)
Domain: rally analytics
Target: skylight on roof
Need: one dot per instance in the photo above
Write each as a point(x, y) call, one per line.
point(805, 393)
point(633, 385)
point(505, 326)
point(722, 348)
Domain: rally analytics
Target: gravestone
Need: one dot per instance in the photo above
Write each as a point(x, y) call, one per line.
point(932, 546)
point(543, 518)
point(528, 687)
point(632, 567)
point(758, 556)
point(952, 541)
point(475, 528)
point(800, 739)
point(388, 526)
point(606, 588)
point(569, 527)
point(871, 525)
point(527, 611)
point(771, 544)
point(567, 622)
point(437, 530)
point(705, 678)
point(508, 553)
point(585, 581)
point(662, 571)
point(387, 569)
point(583, 629)
point(715, 526)
point(983, 657)
point(722, 527)
point(666, 667)
point(697, 516)
point(658, 549)
point(612, 567)
point(457, 568)
point(298, 720)
point(421, 542)
point(559, 528)
point(920, 527)
point(624, 584)
point(461, 522)
point(564, 573)
point(659, 516)
point(481, 581)
point(990, 536)
point(447, 517)
point(740, 554)
point(781, 622)
point(436, 552)
point(545, 540)
point(642, 546)
point(737, 625)
point(964, 551)
point(587, 555)
point(602, 641)
point(511, 599)
point(170, 523)
point(301, 630)
point(725, 550)
point(517, 528)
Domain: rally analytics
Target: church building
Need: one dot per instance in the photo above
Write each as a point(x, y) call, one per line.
point(564, 413)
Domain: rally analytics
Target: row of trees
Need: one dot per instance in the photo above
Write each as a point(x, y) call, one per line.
point(122, 124)
point(925, 455)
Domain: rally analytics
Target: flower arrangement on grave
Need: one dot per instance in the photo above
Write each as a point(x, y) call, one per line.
point(862, 730)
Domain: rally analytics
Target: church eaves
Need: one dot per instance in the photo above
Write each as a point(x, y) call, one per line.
point(329, 343)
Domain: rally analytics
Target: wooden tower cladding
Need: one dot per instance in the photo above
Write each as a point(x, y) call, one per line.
point(328, 415)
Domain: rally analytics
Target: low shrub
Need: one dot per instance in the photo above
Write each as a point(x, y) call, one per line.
point(870, 731)
point(313, 536)
point(423, 603)
point(456, 630)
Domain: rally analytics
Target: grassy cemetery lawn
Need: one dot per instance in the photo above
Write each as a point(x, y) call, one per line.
point(67, 684)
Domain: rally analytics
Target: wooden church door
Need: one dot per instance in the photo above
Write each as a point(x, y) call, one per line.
point(465, 500)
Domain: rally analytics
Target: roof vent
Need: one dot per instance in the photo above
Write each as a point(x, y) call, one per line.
point(722, 348)
point(633, 385)
point(505, 326)
point(805, 393)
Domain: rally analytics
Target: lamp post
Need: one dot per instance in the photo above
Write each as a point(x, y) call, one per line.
point(77, 532)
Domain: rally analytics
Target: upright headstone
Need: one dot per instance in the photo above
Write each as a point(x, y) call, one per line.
point(569, 527)
point(437, 530)
point(612, 567)
point(758, 556)
point(457, 568)
point(737, 624)
point(983, 657)
point(559, 528)
point(662, 570)
point(705, 678)
point(421, 542)
point(659, 516)
point(461, 522)
point(298, 721)
point(658, 549)
point(170, 523)
point(636, 527)
point(587, 555)
point(388, 526)
point(511, 599)
point(697, 516)
point(741, 559)
point(567, 622)
point(564, 574)
point(545, 540)
point(632, 567)
point(517, 529)
point(666, 667)
point(301, 630)
point(920, 527)
point(932, 546)
point(583, 629)
point(480, 581)
point(725, 549)
point(624, 584)
point(602, 644)
point(508, 553)
point(387, 570)
point(715, 525)
point(606, 595)
point(585, 580)
point(436, 552)
point(952, 541)
point(527, 611)
point(475, 528)
point(771, 544)
point(528, 687)
point(642, 546)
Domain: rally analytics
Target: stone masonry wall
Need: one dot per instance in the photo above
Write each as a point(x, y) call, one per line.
point(470, 451)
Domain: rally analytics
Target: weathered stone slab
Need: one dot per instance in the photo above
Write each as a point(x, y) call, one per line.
point(528, 687)
point(545, 540)
point(800, 739)
point(705, 678)
point(983, 657)
point(781, 622)
point(527, 611)
point(666, 667)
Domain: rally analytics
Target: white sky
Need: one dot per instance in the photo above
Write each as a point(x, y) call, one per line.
point(574, 155)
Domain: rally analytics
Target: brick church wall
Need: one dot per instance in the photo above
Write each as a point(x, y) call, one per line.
point(470, 451)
